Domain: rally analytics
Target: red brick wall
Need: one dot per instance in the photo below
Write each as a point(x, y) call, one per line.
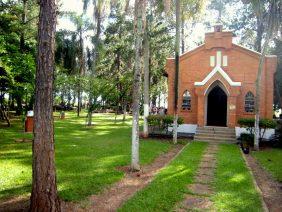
point(242, 67)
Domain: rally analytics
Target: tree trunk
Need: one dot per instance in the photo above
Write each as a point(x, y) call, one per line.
point(97, 18)
point(177, 45)
point(78, 101)
point(258, 90)
point(5, 116)
point(22, 33)
point(44, 189)
point(139, 17)
point(259, 31)
point(124, 112)
point(146, 82)
point(182, 34)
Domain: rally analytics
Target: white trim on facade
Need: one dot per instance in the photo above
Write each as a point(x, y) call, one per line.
point(220, 71)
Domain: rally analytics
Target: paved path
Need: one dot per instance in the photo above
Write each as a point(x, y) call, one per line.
point(201, 188)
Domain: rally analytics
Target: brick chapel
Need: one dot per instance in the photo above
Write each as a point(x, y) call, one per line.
point(217, 82)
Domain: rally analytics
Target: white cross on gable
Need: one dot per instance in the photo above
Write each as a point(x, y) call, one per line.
point(218, 60)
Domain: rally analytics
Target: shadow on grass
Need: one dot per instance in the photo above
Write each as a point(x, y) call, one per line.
point(233, 183)
point(86, 157)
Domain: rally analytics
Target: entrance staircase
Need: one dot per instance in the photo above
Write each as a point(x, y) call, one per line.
point(215, 134)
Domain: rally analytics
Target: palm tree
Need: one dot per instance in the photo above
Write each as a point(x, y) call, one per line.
point(82, 25)
point(44, 189)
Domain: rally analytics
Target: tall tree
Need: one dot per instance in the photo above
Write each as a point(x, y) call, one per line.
point(98, 6)
point(273, 24)
point(177, 48)
point(139, 12)
point(146, 81)
point(190, 10)
point(82, 25)
point(44, 189)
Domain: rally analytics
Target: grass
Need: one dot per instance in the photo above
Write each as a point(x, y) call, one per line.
point(86, 157)
point(170, 184)
point(234, 188)
point(271, 160)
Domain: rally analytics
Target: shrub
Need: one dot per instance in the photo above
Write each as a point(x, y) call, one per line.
point(247, 139)
point(264, 124)
point(162, 122)
point(154, 120)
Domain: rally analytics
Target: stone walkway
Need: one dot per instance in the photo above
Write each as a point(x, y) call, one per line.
point(201, 188)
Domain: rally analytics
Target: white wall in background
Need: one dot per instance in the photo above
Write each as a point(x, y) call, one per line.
point(240, 130)
point(185, 128)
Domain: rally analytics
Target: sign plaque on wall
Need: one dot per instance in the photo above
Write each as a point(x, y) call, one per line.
point(232, 107)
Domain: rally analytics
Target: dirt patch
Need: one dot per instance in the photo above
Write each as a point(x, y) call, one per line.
point(200, 189)
point(208, 164)
point(270, 188)
point(112, 198)
point(195, 203)
point(205, 179)
point(23, 140)
point(17, 204)
point(207, 171)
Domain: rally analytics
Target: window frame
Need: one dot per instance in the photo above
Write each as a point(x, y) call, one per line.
point(186, 101)
point(249, 102)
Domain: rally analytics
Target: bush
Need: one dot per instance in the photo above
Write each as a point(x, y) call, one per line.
point(264, 124)
point(247, 139)
point(162, 122)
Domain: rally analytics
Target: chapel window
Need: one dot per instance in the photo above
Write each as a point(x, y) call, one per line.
point(186, 102)
point(249, 102)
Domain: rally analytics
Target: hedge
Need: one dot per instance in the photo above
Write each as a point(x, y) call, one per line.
point(162, 122)
point(264, 124)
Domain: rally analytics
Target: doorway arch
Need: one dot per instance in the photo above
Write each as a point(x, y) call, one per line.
point(216, 105)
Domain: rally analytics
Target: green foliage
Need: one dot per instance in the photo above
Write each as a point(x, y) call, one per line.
point(264, 124)
point(247, 139)
point(166, 120)
point(17, 51)
point(162, 122)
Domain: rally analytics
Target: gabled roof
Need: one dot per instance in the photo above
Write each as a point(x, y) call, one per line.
point(218, 69)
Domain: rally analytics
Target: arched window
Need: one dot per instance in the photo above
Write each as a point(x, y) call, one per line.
point(186, 102)
point(249, 102)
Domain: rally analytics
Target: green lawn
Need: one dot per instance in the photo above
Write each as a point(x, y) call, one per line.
point(86, 158)
point(234, 189)
point(271, 160)
point(170, 184)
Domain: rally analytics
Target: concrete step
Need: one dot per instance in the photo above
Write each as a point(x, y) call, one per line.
point(215, 134)
point(215, 130)
point(217, 141)
point(227, 136)
point(199, 138)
